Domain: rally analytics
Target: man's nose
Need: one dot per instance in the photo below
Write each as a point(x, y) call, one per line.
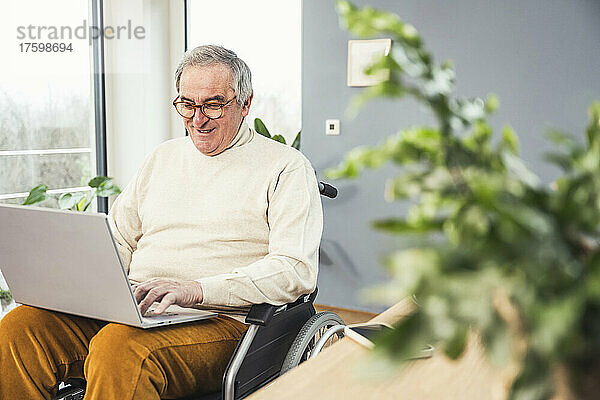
point(199, 118)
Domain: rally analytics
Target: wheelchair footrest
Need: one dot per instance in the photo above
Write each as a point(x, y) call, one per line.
point(75, 390)
point(71, 394)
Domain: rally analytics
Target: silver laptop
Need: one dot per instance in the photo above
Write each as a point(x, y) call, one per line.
point(68, 261)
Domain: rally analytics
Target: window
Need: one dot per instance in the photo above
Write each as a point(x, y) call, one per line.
point(47, 130)
point(267, 35)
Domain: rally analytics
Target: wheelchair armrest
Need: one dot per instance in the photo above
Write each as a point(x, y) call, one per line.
point(261, 314)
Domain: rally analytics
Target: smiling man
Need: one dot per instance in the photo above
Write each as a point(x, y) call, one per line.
point(211, 88)
point(224, 217)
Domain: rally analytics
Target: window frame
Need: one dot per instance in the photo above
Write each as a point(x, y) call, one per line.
point(99, 87)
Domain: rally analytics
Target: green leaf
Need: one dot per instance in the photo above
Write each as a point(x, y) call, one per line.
point(492, 103)
point(260, 127)
point(107, 189)
point(278, 138)
point(509, 141)
point(561, 160)
point(516, 166)
point(87, 204)
point(384, 89)
point(67, 201)
point(5, 295)
point(562, 139)
point(553, 322)
point(479, 139)
point(472, 110)
point(368, 22)
point(593, 128)
point(592, 284)
point(296, 143)
point(97, 181)
point(498, 341)
point(36, 195)
point(455, 347)
point(81, 205)
point(401, 226)
point(411, 266)
point(407, 338)
point(475, 221)
point(534, 381)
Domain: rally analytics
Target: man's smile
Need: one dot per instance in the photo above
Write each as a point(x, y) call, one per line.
point(205, 131)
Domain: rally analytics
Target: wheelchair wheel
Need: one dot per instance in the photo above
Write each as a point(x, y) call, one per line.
point(310, 333)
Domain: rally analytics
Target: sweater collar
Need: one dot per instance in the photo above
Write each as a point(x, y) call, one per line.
point(243, 136)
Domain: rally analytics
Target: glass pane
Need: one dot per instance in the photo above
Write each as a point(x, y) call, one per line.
point(51, 121)
point(266, 34)
point(21, 173)
point(45, 96)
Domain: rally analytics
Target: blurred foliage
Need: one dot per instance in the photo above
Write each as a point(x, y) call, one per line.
point(260, 127)
point(101, 186)
point(5, 296)
point(499, 252)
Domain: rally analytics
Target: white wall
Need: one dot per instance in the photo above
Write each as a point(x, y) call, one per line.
point(139, 82)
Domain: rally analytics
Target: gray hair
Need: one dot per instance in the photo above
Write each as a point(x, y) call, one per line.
point(203, 56)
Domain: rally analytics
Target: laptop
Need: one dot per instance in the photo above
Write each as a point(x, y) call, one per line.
point(68, 261)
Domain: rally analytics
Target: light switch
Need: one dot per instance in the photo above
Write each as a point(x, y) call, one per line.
point(332, 127)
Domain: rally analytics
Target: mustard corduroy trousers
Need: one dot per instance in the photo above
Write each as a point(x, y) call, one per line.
point(40, 348)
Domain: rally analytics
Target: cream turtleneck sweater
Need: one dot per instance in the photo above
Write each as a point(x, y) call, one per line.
point(245, 223)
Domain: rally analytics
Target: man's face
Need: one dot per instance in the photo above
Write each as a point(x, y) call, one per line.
point(213, 83)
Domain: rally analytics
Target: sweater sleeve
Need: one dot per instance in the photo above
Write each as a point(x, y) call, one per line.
point(289, 270)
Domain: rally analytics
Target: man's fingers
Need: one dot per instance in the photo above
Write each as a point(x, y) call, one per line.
point(167, 300)
point(151, 296)
point(139, 294)
point(165, 291)
point(141, 289)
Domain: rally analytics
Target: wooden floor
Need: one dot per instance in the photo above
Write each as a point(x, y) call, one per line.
point(349, 316)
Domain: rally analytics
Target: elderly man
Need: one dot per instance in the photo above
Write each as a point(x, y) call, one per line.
point(224, 217)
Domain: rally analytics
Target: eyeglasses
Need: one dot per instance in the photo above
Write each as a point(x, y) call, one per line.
point(211, 109)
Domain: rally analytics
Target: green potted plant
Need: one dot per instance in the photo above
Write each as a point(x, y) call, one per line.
point(261, 128)
point(499, 252)
point(100, 186)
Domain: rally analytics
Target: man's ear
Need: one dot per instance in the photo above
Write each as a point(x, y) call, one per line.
point(246, 107)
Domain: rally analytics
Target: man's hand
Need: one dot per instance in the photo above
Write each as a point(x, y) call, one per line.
point(167, 292)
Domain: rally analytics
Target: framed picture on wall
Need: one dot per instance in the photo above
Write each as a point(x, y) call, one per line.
point(362, 54)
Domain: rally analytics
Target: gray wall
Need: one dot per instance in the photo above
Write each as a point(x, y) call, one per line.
point(541, 57)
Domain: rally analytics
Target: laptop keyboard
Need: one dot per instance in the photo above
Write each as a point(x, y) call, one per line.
point(150, 317)
point(150, 314)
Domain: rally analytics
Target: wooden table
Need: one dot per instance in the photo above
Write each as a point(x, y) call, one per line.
point(340, 372)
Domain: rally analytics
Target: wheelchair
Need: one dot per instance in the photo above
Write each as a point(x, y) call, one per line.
point(278, 339)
